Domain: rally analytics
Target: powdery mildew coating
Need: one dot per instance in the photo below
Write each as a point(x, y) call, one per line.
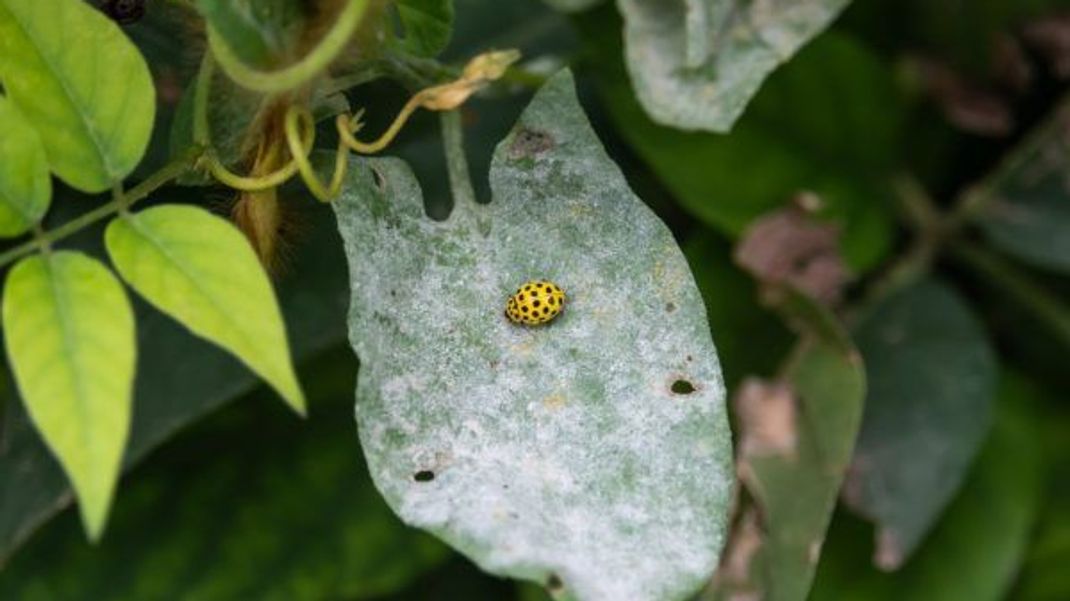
point(561, 453)
point(695, 64)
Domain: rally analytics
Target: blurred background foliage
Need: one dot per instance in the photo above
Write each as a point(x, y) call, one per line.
point(933, 135)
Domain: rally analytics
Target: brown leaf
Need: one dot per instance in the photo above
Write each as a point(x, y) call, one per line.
point(742, 546)
point(1010, 65)
point(888, 554)
point(1050, 36)
point(767, 413)
point(966, 104)
point(791, 247)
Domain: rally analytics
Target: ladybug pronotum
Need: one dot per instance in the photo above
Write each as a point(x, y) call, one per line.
point(535, 303)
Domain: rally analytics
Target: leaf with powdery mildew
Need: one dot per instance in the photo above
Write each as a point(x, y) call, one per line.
point(199, 269)
point(591, 454)
point(696, 64)
point(84, 86)
point(69, 331)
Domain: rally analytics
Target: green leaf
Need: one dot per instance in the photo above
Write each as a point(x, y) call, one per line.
point(695, 64)
point(181, 377)
point(932, 378)
point(559, 454)
point(796, 436)
point(975, 551)
point(258, 500)
point(1042, 577)
point(1024, 208)
point(801, 134)
point(199, 269)
point(82, 84)
point(426, 24)
point(69, 332)
point(25, 188)
point(260, 32)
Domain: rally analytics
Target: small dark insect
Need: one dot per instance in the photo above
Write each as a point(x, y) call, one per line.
point(124, 12)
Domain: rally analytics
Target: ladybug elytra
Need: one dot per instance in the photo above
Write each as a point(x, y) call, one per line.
point(535, 303)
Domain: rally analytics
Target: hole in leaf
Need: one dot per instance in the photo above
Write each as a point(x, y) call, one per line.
point(424, 476)
point(380, 181)
point(554, 584)
point(670, 307)
point(529, 142)
point(682, 387)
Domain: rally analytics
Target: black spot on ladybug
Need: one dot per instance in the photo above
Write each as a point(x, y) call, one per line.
point(124, 12)
point(521, 296)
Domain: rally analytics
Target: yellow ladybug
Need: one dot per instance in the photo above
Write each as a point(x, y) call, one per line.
point(536, 302)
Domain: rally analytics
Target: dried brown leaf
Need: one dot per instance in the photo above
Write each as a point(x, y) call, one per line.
point(791, 247)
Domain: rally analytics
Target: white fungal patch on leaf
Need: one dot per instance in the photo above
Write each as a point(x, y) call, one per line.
point(695, 64)
point(559, 454)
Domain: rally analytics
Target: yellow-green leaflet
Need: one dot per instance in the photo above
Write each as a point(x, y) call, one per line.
point(69, 331)
point(83, 85)
point(25, 189)
point(199, 269)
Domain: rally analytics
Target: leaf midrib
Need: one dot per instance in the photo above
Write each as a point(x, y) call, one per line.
point(70, 352)
point(135, 223)
point(69, 96)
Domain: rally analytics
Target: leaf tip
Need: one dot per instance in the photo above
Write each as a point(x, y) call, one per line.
point(295, 399)
point(94, 510)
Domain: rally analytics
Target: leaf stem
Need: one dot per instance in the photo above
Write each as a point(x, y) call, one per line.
point(201, 132)
point(995, 270)
point(456, 161)
point(918, 210)
point(287, 78)
point(976, 199)
point(45, 239)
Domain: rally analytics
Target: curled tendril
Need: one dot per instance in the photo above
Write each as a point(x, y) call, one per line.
point(479, 71)
point(246, 183)
point(295, 117)
point(330, 46)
